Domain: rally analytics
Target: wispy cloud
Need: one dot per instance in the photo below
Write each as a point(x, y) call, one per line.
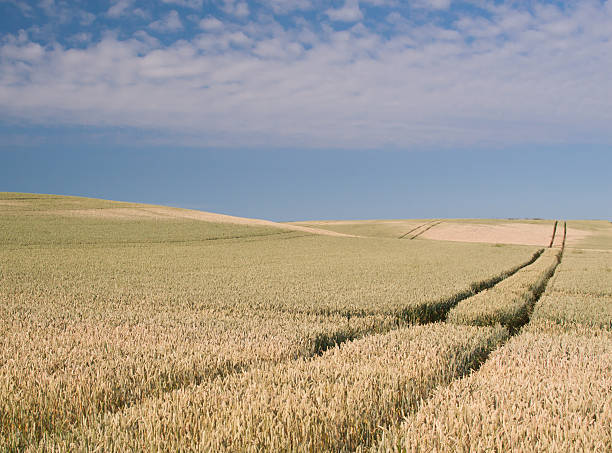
point(513, 75)
point(287, 6)
point(170, 23)
point(119, 7)
point(236, 7)
point(193, 4)
point(350, 12)
point(434, 4)
point(20, 5)
point(211, 24)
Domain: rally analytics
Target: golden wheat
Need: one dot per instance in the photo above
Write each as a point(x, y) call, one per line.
point(509, 303)
point(331, 403)
point(57, 374)
point(580, 292)
point(131, 332)
point(539, 393)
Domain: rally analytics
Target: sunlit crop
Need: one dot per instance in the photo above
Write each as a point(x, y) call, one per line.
point(510, 302)
point(580, 292)
point(127, 327)
point(539, 393)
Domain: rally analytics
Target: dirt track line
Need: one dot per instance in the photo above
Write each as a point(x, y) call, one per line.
point(564, 235)
point(428, 228)
point(415, 228)
point(552, 239)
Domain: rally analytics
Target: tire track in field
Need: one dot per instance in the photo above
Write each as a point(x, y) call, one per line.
point(415, 228)
point(534, 294)
point(481, 355)
point(420, 229)
point(428, 228)
point(539, 290)
point(484, 354)
point(560, 235)
point(564, 235)
point(552, 239)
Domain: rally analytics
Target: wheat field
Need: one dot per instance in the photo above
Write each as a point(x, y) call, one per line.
point(129, 327)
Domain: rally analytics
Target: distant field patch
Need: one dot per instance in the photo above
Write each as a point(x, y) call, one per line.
point(367, 228)
point(25, 206)
point(598, 234)
point(503, 233)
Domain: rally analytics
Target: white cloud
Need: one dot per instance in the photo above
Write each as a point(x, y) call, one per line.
point(143, 14)
point(435, 4)
point(381, 2)
point(350, 12)
point(277, 48)
point(539, 77)
point(25, 9)
point(236, 8)
point(80, 38)
point(119, 8)
point(211, 24)
point(171, 22)
point(287, 6)
point(149, 42)
point(64, 12)
point(27, 52)
point(439, 4)
point(242, 9)
point(193, 4)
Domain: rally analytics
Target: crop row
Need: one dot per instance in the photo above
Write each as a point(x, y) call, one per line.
point(510, 302)
point(541, 392)
point(336, 402)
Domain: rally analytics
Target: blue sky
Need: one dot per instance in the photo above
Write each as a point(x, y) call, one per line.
point(290, 109)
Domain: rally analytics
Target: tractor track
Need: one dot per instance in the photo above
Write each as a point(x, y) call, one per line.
point(415, 228)
point(428, 228)
point(552, 239)
point(420, 229)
